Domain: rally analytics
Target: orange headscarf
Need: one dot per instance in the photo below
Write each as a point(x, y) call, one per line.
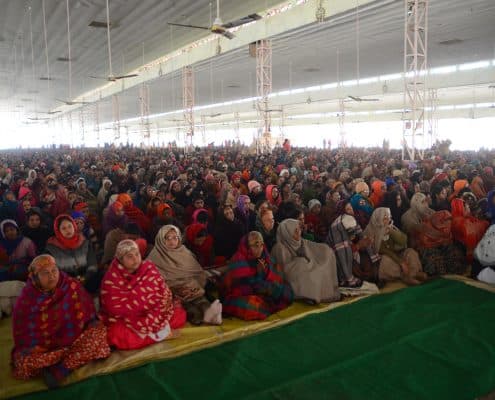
point(125, 199)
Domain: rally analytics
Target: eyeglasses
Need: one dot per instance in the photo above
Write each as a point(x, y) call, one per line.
point(170, 238)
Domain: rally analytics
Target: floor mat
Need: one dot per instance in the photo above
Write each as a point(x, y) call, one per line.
point(432, 341)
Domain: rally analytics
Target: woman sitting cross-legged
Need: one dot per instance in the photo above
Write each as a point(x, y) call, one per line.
point(136, 303)
point(311, 268)
point(54, 325)
point(185, 276)
point(254, 287)
point(397, 260)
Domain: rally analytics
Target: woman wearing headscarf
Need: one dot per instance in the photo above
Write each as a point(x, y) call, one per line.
point(273, 197)
point(184, 276)
point(395, 202)
point(346, 239)
point(244, 214)
point(397, 260)
point(310, 267)
point(361, 204)
point(16, 252)
point(227, 234)
point(200, 242)
point(378, 189)
point(165, 215)
point(254, 286)
point(430, 233)
point(114, 218)
point(101, 199)
point(55, 327)
point(36, 230)
point(133, 213)
point(136, 303)
point(265, 224)
point(73, 252)
point(467, 230)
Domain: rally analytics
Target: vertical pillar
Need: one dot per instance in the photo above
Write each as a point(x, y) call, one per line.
point(144, 102)
point(342, 132)
point(116, 117)
point(237, 125)
point(415, 63)
point(97, 122)
point(203, 130)
point(81, 124)
point(264, 88)
point(432, 116)
point(188, 103)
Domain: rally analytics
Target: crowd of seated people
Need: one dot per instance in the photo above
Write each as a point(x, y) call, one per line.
point(119, 248)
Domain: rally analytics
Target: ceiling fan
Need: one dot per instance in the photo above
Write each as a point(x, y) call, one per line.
point(360, 99)
point(219, 27)
point(50, 112)
point(68, 103)
point(111, 77)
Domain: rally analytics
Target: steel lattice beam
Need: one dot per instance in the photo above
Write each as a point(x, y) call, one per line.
point(144, 102)
point(415, 63)
point(432, 115)
point(188, 102)
point(264, 88)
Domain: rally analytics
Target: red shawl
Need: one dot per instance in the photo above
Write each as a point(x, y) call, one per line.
point(62, 242)
point(138, 217)
point(204, 252)
point(141, 299)
point(467, 229)
point(51, 320)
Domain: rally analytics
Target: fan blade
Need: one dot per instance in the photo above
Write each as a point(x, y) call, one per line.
point(125, 76)
point(38, 119)
point(355, 98)
point(99, 77)
point(189, 26)
point(242, 21)
point(370, 99)
point(228, 35)
point(215, 115)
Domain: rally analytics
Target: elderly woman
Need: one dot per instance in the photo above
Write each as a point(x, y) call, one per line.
point(16, 252)
point(54, 325)
point(136, 303)
point(311, 268)
point(430, 233)
point(185, 276)
point(73, 252)
point(254, 287)
point(361, 204)
point(265, 224)
point(397, 261)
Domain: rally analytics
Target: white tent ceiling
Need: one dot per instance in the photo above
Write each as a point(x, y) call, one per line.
point(459, 31)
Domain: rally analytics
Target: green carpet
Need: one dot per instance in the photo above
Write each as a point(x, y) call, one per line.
point(435, 341)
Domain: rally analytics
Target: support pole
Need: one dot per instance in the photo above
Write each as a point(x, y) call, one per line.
point(144, 102)
point(81, 124)
point(264, 88)
point(342, 132)
point(188, 103)
point(415, 63)
point(432, 116)
point(97, 122)
point(203, 129)
point(116, 117)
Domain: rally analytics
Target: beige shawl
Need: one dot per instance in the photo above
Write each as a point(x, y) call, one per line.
point(178, 266)
point(416, 214)
point(311, 268)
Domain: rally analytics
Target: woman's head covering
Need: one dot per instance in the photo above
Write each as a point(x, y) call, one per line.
point(125, 199)
point(68, 243)
point(40, 263)
point(252, 185)
point(376, 229)
point(10, 245)
point(124, 247)
point(240, 204)
point(285, 233)
point(312, 203)
point(419, 207)
point(362, 187)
